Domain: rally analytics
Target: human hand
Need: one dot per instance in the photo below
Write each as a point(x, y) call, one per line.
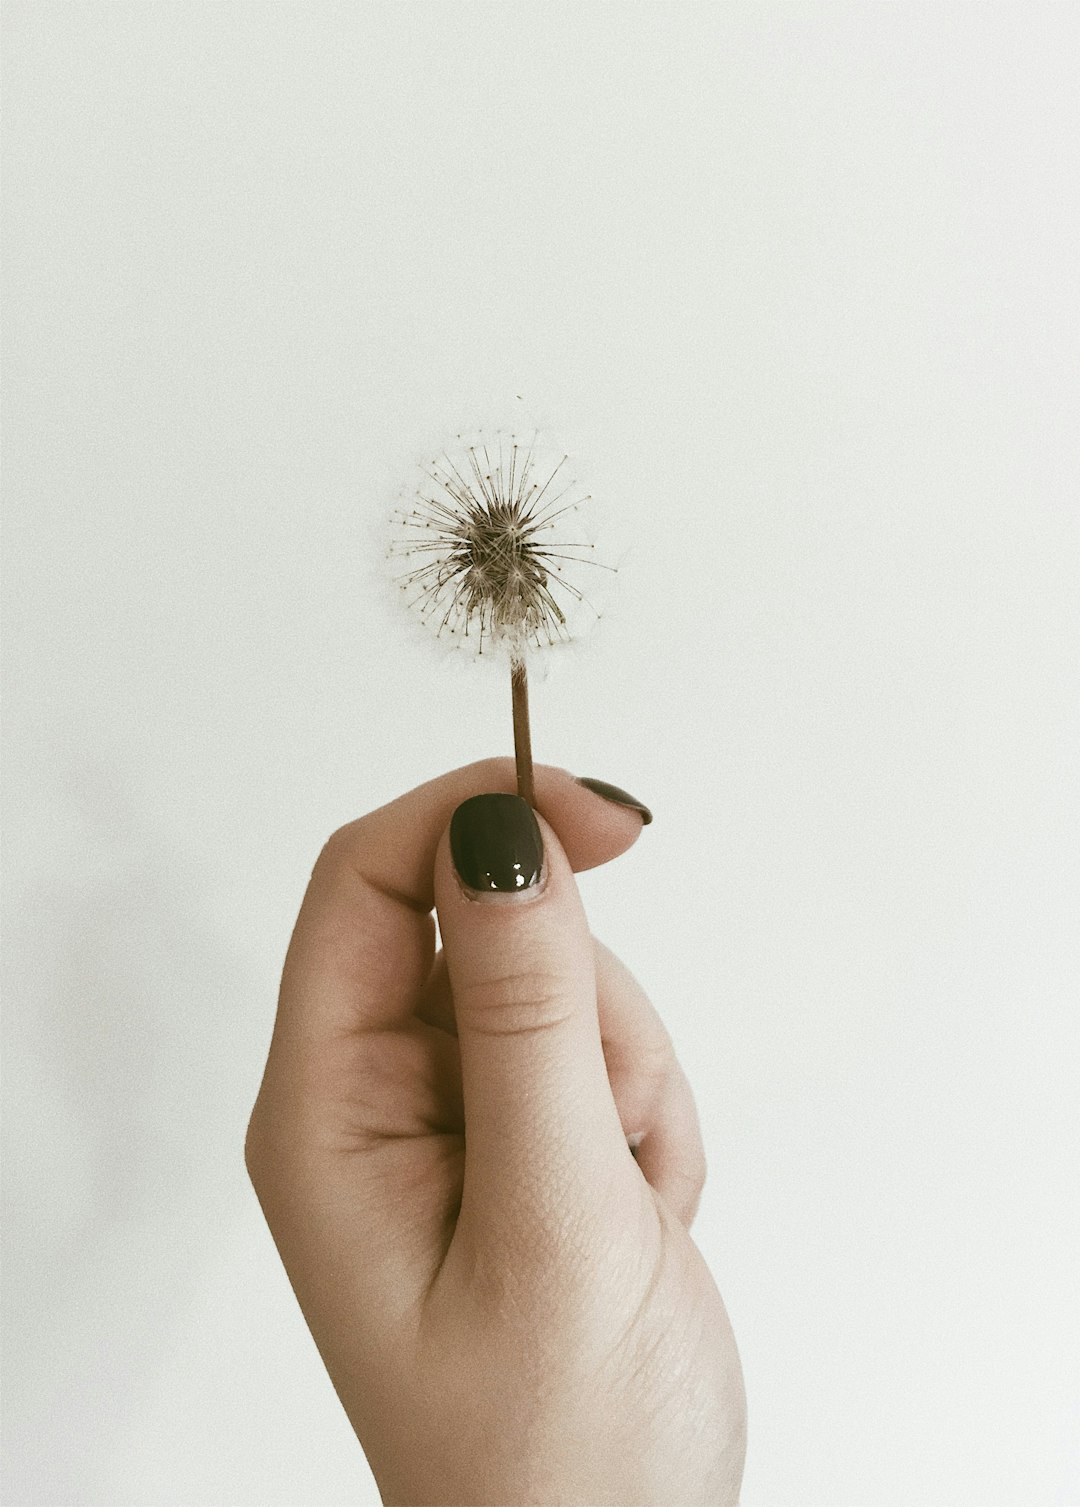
point(507, 1301)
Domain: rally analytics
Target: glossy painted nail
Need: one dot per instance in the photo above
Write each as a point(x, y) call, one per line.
point(496, 844)
point(620, 797)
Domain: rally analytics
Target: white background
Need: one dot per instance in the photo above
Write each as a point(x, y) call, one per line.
point(798, 286)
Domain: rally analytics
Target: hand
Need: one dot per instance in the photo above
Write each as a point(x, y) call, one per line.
point(506, 1299)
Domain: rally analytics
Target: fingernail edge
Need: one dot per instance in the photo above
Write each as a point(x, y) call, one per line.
point(617, 796)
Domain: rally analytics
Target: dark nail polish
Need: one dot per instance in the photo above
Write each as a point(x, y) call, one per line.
point(496, 843)
point(620, 797)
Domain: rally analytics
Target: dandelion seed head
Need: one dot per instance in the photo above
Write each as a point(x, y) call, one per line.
point(493, 547)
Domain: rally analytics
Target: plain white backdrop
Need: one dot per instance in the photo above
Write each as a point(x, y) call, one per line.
point(797, 284)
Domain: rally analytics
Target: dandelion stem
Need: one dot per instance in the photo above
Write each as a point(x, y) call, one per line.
point(519, 686)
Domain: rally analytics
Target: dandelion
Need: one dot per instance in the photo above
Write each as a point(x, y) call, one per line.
point(486, 552)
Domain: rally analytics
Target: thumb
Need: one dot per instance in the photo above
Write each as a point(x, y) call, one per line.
point(541, 1129)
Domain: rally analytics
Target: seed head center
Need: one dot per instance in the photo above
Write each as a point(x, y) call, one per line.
point(501, 566)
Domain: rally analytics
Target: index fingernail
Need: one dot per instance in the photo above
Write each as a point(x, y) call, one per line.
point(620, 797)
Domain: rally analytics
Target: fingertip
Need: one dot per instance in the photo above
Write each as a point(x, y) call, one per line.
point(617, 796)
point(595, 821)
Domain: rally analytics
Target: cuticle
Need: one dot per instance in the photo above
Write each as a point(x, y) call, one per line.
point(527, 896)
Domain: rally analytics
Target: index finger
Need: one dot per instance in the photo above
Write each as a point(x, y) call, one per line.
point(364, 941)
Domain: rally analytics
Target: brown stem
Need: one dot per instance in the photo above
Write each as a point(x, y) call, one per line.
point(522, 741)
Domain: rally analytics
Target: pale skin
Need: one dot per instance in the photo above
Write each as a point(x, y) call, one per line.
point(509, 1304)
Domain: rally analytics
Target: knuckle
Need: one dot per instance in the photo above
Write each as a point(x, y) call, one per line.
point(337, 852)
point(272, 1143)
point(696, 1173)
point(257, 1153)
point(687, 1184)
point(693, 1199)
point(518, 1002)
point(654, 1059)
point(497, 771)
